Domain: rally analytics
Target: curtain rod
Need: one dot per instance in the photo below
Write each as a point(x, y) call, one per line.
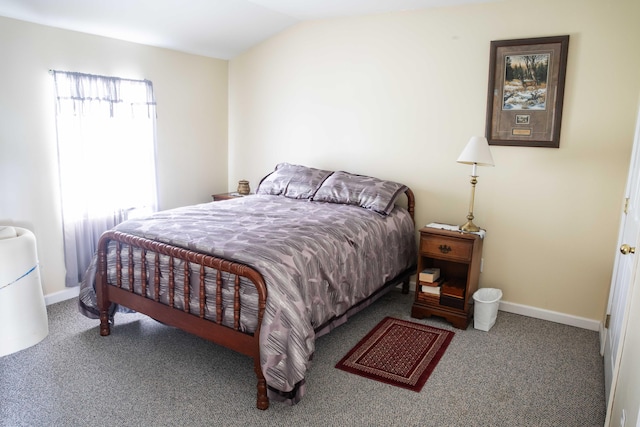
point(97, 75)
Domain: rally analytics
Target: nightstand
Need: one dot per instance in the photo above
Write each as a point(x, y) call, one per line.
point(226, 196)
point(458, 256)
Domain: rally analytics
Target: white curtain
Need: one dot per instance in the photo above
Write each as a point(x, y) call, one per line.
point(106, 155)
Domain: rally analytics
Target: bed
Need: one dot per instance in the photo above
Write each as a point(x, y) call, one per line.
point(263, 274)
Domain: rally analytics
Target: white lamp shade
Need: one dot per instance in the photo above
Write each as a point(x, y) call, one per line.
point(476, 152)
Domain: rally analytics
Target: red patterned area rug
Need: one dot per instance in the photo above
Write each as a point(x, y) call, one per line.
point(398, 352)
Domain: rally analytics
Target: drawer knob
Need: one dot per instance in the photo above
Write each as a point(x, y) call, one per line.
point(444, 249)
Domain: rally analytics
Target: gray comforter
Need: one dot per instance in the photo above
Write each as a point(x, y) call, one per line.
point(317, 259)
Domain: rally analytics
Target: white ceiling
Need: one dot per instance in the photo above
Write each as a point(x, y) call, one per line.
point(215, 28)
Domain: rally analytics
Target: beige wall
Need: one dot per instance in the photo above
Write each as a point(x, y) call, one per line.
point(191, 92)
point(398, 96)
point(392, 95)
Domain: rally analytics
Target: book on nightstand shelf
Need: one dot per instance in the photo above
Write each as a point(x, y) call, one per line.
point(429, 274)
point(432, 288)
point(453, 289)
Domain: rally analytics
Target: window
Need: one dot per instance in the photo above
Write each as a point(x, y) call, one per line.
point(106, 156)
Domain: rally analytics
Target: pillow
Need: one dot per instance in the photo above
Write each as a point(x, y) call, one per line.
point(364, 191)
point(293, 181)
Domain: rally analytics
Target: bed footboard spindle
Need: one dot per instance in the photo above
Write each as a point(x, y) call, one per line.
point(172, 281)
point(156, 278)
point(131, 277)
point(186, 290)
point(143, 272)
point(203, 294)
point(236, 304)
point(118, 265)
point(219, 297)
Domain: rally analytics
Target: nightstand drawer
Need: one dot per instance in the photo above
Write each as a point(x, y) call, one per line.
point(446, 248)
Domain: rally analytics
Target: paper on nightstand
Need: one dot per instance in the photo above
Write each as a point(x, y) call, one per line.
point(450, 227)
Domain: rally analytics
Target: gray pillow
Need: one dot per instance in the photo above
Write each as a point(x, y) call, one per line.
point(293, 181)
point(365, 191)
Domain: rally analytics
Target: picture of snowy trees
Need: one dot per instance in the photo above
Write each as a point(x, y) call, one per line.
point(525, 82)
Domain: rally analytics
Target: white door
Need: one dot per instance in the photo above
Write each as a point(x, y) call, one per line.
point(623, 271)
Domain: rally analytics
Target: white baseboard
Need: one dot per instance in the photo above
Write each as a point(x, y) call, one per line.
point(540, 313)
point(552, 316)
point(68, 293)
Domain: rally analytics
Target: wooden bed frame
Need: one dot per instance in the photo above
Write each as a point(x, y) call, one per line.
point(122, 292)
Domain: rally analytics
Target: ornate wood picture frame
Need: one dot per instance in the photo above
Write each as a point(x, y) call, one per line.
point(526, 91)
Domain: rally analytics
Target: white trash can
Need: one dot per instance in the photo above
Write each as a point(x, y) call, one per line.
point(485, 312)
point(23, 314)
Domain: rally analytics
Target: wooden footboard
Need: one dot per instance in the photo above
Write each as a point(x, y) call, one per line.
point(122, 292)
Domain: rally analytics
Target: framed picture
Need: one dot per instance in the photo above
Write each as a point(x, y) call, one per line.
point(526, 89)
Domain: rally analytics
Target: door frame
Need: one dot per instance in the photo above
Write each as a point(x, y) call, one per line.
point(614, 291)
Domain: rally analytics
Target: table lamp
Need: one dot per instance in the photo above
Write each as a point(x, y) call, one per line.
point(476, 153)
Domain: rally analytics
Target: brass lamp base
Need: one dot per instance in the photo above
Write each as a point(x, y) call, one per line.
point(469, 226)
